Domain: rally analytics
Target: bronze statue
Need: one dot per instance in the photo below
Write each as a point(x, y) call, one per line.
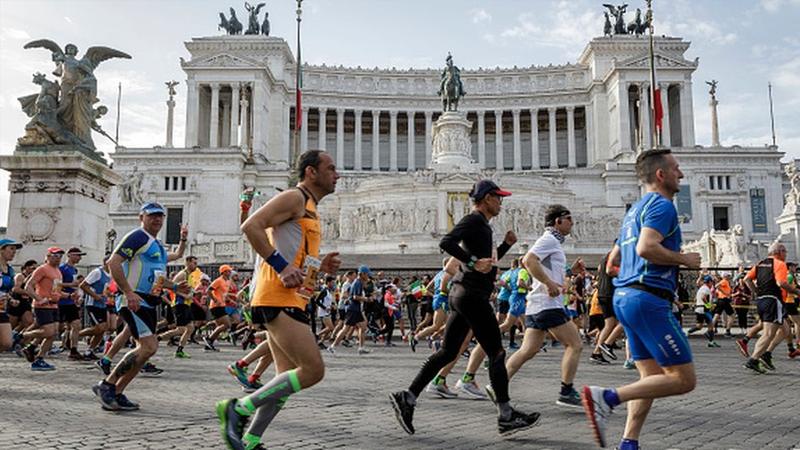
point(450, 88)
point(607, 28)
point(265, 25)
point(713, 91)
point(171, 87)
point(74, 99)
point(232, 26)
point(619, 13)
point(253, 27)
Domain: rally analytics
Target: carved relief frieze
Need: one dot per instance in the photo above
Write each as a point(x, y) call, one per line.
point(39, 223)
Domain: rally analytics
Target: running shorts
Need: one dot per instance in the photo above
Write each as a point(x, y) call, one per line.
point(142, 323)
point(198, 313)
point(425, 308)
point(353, 317)
point(218, 312)
point(441, 302)
point(263, 315)
point(770, 309)
point(791, 308)
point(517, 305)
point(96, 315)
point(112, 309)
point(169, 312)
point(183, 315)
point(23, 305)
point(723, 306)
point(68, 313)
point(4, 318)
point(651, 328)
point(596, 322)
point(45, 316)
point(503, 306)
point(607, 305)
point(547, 319)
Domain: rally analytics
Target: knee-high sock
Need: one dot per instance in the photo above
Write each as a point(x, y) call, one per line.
point(283, 385)
point(261, 420)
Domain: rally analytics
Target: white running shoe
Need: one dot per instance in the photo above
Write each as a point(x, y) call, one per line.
point(440, 390)
point(471, 390)
point(362, 351)
point(597, 411)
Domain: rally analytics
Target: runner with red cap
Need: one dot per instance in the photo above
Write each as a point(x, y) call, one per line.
point(218, 294)
point(44, 287)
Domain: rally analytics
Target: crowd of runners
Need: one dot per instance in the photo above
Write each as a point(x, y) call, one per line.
point(299, 305)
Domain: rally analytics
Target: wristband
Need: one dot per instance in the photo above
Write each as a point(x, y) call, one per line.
point(245, 206)
point(277, 261)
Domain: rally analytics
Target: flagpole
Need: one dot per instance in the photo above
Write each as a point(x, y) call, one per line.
point(771, 114)
point(119, 100)
point(298, 92)
point(656, 141)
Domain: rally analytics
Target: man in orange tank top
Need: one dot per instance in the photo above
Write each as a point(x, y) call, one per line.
point(289, 248)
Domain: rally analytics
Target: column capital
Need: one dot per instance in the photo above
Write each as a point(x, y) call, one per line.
point(664, 85)
point(214, 86)
point(376, 114)
point(515, 112)
point(481, 115)
point(551, 109)
point(393, 113)
point(534, 111)
point(571, 108)
point(498, 113)
point(340, 111)
point(358, 112)
point(304, 109)
point(428, 114)
point(322, 111)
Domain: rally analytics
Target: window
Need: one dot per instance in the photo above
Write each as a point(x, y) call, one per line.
point(174, 183)
point(721, 222)
point(719, 182)
point(174, 220)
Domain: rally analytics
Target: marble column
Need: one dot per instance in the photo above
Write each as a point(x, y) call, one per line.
point(687, 114)
point(304, 131)
point(535, 160)
point(411, 144)
point(498, 140)
point(393, 141)
point(340, 138)
point(170, 121)
point(481, 138)
point(428, 138)
point(357, 147)
point(714, 122)
point(244, 139)
point(551, 131)
point(517, 143)
point(624, 118)
point(376, 140)
point(234, 132)
point(225, 125)
point(571, 157)
point(644, 109)
point(591, 156)
point(213, 123)
point(322, 125)
point(192, 113)
point(666, 139)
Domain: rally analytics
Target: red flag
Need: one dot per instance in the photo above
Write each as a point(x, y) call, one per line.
point(659, 112)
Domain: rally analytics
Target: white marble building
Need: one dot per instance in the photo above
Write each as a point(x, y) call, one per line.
point(567, 134)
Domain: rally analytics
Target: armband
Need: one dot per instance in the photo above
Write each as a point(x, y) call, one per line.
point(277, 261)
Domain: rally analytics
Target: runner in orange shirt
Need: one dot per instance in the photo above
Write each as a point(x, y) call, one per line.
point(218, 295)
point(44, 287)
point(724, 304)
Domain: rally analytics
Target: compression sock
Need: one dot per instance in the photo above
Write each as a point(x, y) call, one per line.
point(511, 334)
point(261, 420)
point(468, 377)
point(504, 410)
point(438, 379)
point(283, 385)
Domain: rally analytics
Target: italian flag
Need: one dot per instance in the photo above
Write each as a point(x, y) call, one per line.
point(416, 289)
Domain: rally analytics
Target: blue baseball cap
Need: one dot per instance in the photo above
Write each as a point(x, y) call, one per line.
point(152, 208)
point(707, 278)
point(364, 269)
point(484, 187)
point(9, 243)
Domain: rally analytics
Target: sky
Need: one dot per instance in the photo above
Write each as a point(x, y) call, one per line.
point(742, 44)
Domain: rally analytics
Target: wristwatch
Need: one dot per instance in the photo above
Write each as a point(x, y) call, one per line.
point(471, 263)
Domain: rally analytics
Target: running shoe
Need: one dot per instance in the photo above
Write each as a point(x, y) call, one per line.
point(794, 354)
point(331, 350)
point(437, 344)
point(347, 343)
point(125, 404)
point(107, 395)
point(712, 344)
point(239, 373)
point(571, 400)
point(182, 355)
point(755, 366)
point(598, 358)
point(150, 370)
point(516, 422)
point(104, 365)
point(629, 364)
point(766, 359)
point(403, 410)
point(741, 345)
point(362, 351)
point(252, 385)
point(40, 365)
point(231, 424)
point(490, 393)
point(608, 351)
point(471, 390)
point(441, 390)
point(75, 356)
point(728, 334)
point(209, 346)
point(30, 351)
point(412, 342)
point(90, 356)
point(321, 345)
point(597, 411)
point(513, 346)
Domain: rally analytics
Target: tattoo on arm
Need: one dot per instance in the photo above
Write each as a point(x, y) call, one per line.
point(125, 365)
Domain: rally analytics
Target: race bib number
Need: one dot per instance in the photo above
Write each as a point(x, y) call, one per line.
point(311, 266)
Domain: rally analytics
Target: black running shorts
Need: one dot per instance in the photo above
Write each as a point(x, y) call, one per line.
point(68, 313)
point(218, 312)
point(263, 315)
point(723, 306)
point(183, 315)
point(45, 316)
point(770, 309)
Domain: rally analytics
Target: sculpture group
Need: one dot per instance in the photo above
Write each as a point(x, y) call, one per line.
point(636, 27)
point(232, 25)
point(64, 113)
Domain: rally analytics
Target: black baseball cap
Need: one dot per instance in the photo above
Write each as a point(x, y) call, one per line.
point(483, 187)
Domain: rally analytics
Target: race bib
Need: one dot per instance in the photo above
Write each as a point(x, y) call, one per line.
point(311, 266)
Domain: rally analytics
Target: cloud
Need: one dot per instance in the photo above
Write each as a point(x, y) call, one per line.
point(705, 31)
point(480, 15)
point(570, 29)
point(788, 74)
point(772, 6)
point(13, 33)
point(68, 20)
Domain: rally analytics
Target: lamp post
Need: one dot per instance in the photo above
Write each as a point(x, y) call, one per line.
point(298, 113)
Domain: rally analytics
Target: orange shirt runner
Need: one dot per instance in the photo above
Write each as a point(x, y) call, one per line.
point(44, 288)
point(219, 290)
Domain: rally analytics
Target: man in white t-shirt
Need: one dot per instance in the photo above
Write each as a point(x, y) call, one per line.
point(702, 313)
point(544, 313)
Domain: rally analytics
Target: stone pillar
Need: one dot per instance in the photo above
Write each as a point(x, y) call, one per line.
point(244, 139)
point(498, 140)
point(551, 114)
point(714, 122)
point(304, 131)
point(357, 146)
point(644, 113)
point(213, 123)
point(428, 138)
point(535, 161)
point(589, 114)
point(481, 138)
point(624, 118)
point(376, 140)
point(234, 133)
point(665, 136)
point(170, 120)
point(340, 138)
point(393, 141)
point(322, 124)
point(411, 144)
point(687, 114)
point(517, 143)
point(224, 126)
point(572, 159)
point(192, 113)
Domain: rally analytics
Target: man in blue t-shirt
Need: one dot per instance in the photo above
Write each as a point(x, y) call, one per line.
point(139, 267)
point(354, 314)
point(68, 312)
point(649, 250)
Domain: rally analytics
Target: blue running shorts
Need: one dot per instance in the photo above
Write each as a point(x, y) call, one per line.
point(517, 302)
point(441, 302)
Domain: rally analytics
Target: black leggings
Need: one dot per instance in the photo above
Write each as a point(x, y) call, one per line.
point(469, 311)
point(741, 314)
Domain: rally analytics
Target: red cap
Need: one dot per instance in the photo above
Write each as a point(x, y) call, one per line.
point(54, 250)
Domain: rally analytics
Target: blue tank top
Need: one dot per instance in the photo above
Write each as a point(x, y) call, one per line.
point(99, 287)
point(144, 255)
point(656, 212)
point(6, 284)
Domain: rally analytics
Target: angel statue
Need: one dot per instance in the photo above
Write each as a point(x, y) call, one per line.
point(78, 91)
point(253, 26)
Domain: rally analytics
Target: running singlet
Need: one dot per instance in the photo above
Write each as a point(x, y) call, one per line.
point(523, 276)
point(219, 292)
point(98, 281)
point(144, 255)
point(656, 212)
point(512, 280)
point(505, 293)
point(6, 284)
point(437, 283)
point(295, 240)
point(68, 274)
point(768, 274)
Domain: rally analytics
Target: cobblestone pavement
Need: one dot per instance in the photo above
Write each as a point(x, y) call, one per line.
point(730, 409)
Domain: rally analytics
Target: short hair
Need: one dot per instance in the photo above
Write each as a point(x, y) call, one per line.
point(329, 278)
point(30, 262)
point(350, 272)
point(775, 247)
point(649, 161)
point(191, 258)
point(553, 212)
point(311, 158)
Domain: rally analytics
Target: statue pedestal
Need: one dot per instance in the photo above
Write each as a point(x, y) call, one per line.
point(452, 148)
point(59, 197)
point(789, 226)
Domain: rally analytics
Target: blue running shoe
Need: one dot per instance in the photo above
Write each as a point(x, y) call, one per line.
point(40, 365)
point(106, 393)
point(125, 404)
point(240, 374)
point(104, 365)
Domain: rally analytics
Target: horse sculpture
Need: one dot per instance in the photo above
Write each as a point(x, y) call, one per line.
point(450, 87)
point(232, 25)
point(638, 27)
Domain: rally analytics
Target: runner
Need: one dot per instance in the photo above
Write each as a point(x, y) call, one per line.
point(138, 266)
point(545, 313)
point(218, 293)
point(649, 244)
point(792, 315)
point(44, 287)
point(469, 300)
point(182, 306)
point(504, 292)
point(702, 310)
point(354, 315)
point(95, 289)
point(724, 305)
point(440, 305)
point(612, 329)
point(8, 249)
point(20, 309)
point(68, 312)
point(290, 245)
point(325, 308)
